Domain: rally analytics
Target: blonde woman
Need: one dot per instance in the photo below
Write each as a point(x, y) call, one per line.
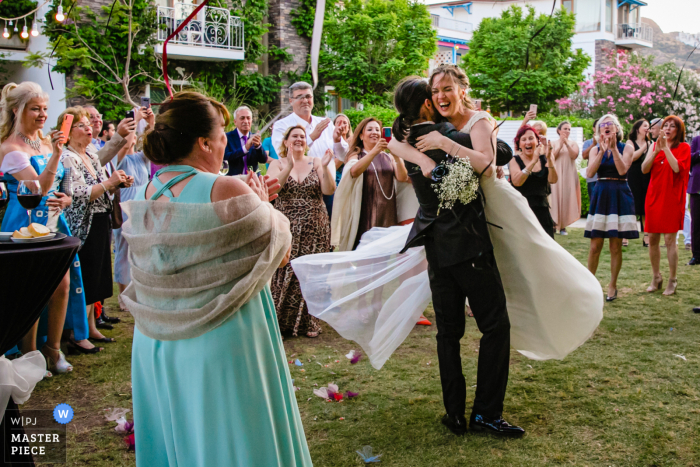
point(611, 211)
point(566, 193)
point(304, 181)
point(25, 154)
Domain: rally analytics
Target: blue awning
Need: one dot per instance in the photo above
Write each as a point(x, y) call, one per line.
point(453, 40)
point(631, 2)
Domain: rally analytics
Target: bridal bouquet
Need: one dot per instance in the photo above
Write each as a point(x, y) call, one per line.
point(455, 180)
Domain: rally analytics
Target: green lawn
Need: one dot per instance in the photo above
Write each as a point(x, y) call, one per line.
point(622, 399)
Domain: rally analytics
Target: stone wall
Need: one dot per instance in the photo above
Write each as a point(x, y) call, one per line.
point(602, 49)
point(284, 35)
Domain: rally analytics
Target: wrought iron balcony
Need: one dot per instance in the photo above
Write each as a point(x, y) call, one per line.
point(451, 24)
point(634, 34)
point(209, 35)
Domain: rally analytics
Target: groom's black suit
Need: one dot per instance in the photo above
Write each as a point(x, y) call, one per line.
point(461, 265)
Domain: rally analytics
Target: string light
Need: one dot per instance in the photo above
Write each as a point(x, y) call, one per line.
point(59, 14)
point(35, 29)
point(5, 32)
point(24, 34)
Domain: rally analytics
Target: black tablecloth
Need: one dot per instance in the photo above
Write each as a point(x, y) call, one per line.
point(28, 277)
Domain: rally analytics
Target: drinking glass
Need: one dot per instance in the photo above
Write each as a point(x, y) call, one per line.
point(4, 194)
point(29, 195)
point(224, 168)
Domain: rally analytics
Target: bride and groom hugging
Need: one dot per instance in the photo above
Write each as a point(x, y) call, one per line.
point(461, 263)
point(524, 289)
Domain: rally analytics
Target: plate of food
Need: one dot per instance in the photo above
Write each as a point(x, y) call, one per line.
point(35, 233)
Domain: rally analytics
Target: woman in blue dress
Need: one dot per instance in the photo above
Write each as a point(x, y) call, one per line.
point(26, 155)
point(211, 383)
point(611, 212)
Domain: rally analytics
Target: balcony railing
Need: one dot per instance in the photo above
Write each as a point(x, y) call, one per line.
point(636, 31)
point(212, 27)
point(454, 25)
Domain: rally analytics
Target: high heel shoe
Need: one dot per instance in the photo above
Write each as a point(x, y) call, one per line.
point(671, 287)
point(60, 366)
point(74, 348)
point(611, 299)
point(655, 285)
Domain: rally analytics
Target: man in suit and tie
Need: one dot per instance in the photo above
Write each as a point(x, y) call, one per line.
point(244, 150)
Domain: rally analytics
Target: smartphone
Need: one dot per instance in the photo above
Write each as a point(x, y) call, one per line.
point(533, 108)
point(145, 102)
point(65, 127)
point(478, 103)
point(130, 114)
point(386, 133)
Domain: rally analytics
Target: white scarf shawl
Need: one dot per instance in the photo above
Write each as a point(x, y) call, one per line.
point(194, 265)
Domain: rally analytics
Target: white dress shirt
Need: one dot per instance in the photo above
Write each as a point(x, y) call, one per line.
point(316, 148)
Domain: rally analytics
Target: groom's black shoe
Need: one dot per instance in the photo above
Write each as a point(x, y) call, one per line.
point(496, 426)
point(456, 423)
point(693, 261)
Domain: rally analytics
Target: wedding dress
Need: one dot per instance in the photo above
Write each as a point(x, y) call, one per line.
point(374, 295)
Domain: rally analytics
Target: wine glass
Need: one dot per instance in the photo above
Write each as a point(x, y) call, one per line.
point(29, 195)
point(4, 194)
point(224, 168)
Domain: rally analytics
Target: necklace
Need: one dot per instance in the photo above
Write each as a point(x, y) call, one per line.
point(32, 143)
point(380, 184)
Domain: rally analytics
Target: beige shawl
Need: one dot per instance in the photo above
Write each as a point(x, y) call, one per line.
point(194, 265)
point(347, 204)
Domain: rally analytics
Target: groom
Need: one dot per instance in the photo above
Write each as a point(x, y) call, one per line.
point(461, 266)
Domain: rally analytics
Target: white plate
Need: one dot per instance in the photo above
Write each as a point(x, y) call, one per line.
point(35, 239)
point(5, 236)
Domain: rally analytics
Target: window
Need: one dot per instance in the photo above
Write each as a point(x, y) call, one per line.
point(608, 15)
point(587, 14)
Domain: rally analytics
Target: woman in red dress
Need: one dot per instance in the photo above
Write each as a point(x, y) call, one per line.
point(669, 164)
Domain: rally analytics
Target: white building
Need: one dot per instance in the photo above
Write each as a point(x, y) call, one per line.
point(600, 25)
point(15, 50)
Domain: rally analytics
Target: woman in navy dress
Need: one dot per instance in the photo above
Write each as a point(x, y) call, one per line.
point(611, 212)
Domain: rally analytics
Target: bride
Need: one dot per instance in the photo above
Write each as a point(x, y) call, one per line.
point(554, 302)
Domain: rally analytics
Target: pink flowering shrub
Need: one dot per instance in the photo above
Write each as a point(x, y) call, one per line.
point(633, 88)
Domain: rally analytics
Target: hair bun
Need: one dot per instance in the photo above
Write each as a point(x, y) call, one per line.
point(7, 90)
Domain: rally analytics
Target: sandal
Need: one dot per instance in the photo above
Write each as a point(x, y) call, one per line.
point(469, 312)
point(671, 287)
point(105, 340)
point(61, 365)
point(423, 321)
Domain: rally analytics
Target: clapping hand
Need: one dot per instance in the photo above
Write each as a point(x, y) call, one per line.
point(337, 134)
point(327, 158)
point(662, 143)
point(258, 185)
point(316, 134)
point(273, 186)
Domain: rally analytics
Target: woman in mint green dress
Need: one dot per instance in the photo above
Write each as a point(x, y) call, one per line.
point(211, 385)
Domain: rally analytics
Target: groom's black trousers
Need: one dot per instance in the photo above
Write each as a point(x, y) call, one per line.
point(479, 280)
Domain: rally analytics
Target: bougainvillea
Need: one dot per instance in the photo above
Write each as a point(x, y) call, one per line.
point(633, 88)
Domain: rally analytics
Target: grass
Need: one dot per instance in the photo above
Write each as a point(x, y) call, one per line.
point(622, 399)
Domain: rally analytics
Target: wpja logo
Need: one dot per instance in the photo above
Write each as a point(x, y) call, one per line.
point(37, 435)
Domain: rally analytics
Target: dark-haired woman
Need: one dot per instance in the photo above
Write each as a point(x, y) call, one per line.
point(636, 179)
point(669, 165)
point(211, 385)
point(366, 196)
point(532, 175)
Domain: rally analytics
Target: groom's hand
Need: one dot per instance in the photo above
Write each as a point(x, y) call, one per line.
point(427, 167)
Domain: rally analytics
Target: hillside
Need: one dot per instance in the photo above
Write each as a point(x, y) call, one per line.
point(667, 48)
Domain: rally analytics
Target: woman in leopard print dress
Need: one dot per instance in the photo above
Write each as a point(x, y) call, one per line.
point(304, 180)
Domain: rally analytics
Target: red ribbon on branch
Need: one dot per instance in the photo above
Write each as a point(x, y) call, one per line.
point(175, 33)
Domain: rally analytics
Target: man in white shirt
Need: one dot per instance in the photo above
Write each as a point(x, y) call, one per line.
point(319, 130)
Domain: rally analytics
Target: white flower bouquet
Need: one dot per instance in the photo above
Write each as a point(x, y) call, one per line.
point(455, 181)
